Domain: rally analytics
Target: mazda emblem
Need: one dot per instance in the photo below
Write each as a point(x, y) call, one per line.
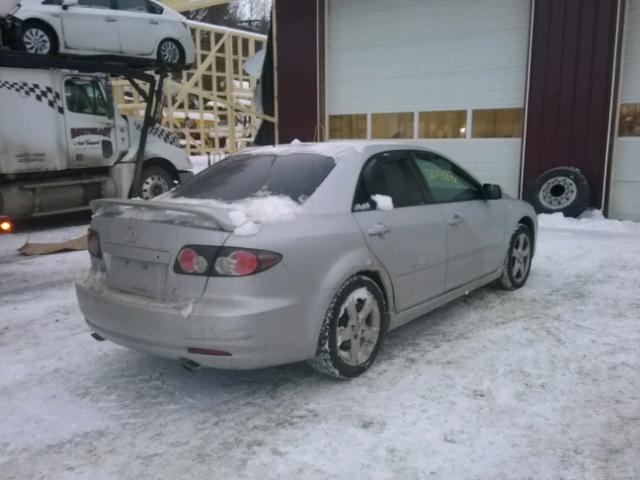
point(130, 235)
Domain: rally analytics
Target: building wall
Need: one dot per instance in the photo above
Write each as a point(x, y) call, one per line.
point(297, 68)
point(572, 63)
point(569, 92)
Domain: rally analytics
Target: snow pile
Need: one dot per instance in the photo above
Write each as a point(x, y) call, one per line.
point(248, 214)
point(592, 220)
point(383, 202)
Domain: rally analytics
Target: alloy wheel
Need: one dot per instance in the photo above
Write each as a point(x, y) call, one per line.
point(169, 52)
point(521, 257)
point(36, 41)
point(359, 325)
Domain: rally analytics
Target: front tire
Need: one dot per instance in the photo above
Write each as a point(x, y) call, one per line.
point(517, 263)
point(38, 39)
point(170, 52)
point(155, 181)
point(353, 329)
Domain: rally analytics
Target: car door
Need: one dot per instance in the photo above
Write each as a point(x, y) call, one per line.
point(404, 232)
point(475, 230)
point(91, 25)
point(139, 24)
point(91, 136)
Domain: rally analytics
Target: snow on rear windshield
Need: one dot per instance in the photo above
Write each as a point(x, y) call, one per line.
point(296, 176)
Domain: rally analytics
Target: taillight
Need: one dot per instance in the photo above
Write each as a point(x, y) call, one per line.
point(93, 241)
point(190, 261)
point(223, 261)
point(6, 226)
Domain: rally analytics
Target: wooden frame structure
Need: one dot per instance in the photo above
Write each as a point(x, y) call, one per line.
point(210, 106)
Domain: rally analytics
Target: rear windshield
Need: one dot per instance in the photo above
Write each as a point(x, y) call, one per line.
point(297, 176)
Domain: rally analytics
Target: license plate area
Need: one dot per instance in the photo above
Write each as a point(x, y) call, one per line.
point(135, 276)
point(136, 270)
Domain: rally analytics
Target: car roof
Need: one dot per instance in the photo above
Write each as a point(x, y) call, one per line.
point(339, 149)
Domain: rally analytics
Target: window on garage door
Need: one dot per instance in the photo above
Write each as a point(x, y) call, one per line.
point(629, 120)
point(392, 125)
point(443, 124)
point(347, 126)
point(497, 123)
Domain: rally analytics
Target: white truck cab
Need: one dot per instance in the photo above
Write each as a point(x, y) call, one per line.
point(64, 143)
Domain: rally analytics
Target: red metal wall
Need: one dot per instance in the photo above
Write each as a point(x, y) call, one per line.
point(572, 63)
point(297, 61)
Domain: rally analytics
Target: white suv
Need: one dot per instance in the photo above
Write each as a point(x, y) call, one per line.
point(135, 28)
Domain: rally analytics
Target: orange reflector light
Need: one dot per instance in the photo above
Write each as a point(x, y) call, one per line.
point(6, 226)
point(208, 351)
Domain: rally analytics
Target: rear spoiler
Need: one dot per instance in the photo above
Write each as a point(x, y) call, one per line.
point(220, 216)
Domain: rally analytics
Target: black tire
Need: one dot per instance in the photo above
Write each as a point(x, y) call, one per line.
point(155, 181)
point(562, 189)
point(32, 30)
point(511, 278)
point(172, 46)
point(329, 359)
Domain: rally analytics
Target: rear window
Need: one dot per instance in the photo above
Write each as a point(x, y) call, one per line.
point(297, 176)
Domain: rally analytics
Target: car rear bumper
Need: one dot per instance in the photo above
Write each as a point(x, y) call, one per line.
point(256, 333)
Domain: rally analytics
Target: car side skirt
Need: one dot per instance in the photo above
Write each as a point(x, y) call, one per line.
point(413, 313)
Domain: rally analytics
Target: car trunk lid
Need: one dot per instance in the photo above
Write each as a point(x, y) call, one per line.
point(141, 240)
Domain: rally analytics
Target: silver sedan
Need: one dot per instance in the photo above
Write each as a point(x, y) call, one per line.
point(302, 252)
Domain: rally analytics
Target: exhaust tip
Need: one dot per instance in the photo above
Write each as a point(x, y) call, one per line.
point(190, 364)
point(97, 337)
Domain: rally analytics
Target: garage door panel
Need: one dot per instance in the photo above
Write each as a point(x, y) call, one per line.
point(387, 56)
point(624, 196)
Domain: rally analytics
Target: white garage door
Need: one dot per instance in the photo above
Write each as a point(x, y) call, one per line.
point(624, 198)
point(448, 74)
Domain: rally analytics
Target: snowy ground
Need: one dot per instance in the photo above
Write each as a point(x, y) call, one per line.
point(542, 383)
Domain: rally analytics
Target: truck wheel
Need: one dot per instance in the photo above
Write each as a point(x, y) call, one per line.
point(155, 181)
point(562, 189)
point(39, 39)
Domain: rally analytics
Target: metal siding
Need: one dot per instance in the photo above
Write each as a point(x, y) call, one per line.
point(570, 89)
point(296, 45)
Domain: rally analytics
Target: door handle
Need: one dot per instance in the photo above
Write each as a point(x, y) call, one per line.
point(455, 220)
point(378, 229)
point(153, 22)
point(109, 19)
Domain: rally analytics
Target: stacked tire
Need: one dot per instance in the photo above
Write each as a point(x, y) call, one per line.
point(562, 189)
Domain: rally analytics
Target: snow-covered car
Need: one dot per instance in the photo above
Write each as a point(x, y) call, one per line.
point(301, 252)
point(133, 28)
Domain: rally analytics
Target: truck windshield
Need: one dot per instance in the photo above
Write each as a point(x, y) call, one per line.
point(297, 176)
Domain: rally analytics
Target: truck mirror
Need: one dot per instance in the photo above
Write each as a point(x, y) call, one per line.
point(108, 89)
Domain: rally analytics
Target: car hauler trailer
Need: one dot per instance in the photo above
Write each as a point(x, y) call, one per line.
point(63, 143)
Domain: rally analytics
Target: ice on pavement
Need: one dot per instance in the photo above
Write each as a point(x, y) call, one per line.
point(538, 383)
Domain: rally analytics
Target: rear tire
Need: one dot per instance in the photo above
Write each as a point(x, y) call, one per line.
point(353, 329)
point(517, 263)
point(155, 181)
point(170, 52)
point(39, 39)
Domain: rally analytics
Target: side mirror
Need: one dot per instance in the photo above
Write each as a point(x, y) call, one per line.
point(68, 3)
point(491, 192)
point(108, 90)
